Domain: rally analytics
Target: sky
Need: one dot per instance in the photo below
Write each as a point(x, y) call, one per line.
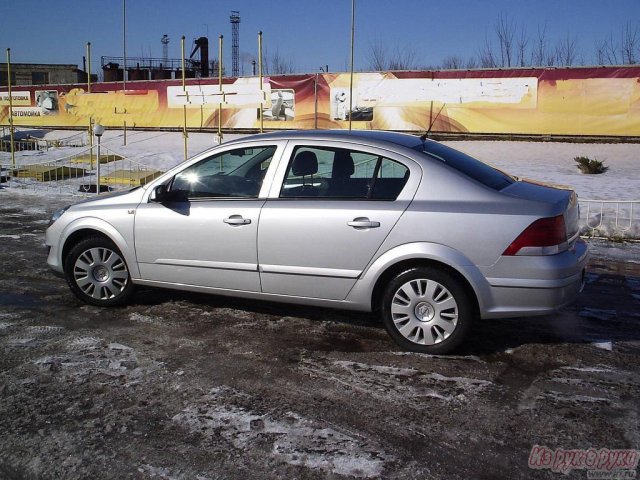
point(310, 33)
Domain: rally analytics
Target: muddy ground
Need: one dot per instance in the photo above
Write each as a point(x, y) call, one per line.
point(181, 386)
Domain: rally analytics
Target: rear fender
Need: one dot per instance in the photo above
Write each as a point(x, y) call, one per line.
point(363, 288)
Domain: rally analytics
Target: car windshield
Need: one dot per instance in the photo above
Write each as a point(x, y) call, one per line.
point(477, 170)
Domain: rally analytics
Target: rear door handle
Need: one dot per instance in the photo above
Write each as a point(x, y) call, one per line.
point(363, 222)
point(237, 220)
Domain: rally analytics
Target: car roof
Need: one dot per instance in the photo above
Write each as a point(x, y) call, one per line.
point(370, 136)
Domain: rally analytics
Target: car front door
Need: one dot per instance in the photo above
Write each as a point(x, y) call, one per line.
point(202, 232)
point(329, 211)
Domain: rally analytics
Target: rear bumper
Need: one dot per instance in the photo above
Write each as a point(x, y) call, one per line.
point(551, 283)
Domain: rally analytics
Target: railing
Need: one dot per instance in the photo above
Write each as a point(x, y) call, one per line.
point(149, 62)
point(76, 174)
point(610, 218)
point(34, 143)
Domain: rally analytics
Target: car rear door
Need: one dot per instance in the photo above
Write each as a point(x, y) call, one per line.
point(330, 208)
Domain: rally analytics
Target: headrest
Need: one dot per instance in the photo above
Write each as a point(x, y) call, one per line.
point(305, 163)
point(343, 166)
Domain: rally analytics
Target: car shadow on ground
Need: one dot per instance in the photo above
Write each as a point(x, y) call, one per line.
point(581, 323)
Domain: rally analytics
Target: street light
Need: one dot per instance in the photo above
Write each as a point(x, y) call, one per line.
point(98, 130)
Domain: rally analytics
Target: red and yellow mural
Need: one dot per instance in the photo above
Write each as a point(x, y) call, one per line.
point(568, 101)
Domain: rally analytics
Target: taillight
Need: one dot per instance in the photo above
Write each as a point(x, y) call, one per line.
point(546, 236)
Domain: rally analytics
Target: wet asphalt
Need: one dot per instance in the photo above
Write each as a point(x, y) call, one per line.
point(185, 386)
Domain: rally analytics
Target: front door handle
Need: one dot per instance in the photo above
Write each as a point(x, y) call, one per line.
point(237, 220)
point(363, 222)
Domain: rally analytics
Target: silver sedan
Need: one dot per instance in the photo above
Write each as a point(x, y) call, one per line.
point(427, 236)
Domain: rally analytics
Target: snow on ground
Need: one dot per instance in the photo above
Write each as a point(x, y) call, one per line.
point(553, 162)
point(159, 150)
point(543, 161)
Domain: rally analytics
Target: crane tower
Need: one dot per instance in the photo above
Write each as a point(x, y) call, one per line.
point(235, 42)
point(165, 49)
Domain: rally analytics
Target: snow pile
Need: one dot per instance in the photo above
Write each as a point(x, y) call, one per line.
point(293, 439)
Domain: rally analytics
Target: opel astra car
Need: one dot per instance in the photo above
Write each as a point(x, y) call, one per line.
point(374, 221)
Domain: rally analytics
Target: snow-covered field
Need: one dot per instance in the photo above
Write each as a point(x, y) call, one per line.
point(543, 161)
point(551, 162)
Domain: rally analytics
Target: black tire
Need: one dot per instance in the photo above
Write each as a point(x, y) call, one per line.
point(427, 310)
point(97, 273)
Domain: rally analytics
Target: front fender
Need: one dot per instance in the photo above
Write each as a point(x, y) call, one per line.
point(126, 246)
point(363, 288)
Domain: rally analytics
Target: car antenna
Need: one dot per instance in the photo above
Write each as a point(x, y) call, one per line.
point(425, 135)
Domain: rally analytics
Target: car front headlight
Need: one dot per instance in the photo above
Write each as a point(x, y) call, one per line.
point(57, 214)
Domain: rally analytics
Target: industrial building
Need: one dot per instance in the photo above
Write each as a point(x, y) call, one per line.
point(43, 74)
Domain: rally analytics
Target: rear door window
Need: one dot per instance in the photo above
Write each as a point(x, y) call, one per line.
point(338, 173)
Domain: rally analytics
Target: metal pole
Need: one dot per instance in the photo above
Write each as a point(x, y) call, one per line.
point(260, 74)
point(185, 135)
point(220, 88)
point(353, 28)
point(88, 67)
point(90, 131)
point(315, 102)
point(124, 44)
point(182, 63)
point(125, 132)
point(11, 129)
point(98, 168)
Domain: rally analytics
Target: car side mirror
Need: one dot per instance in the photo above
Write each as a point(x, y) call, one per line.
point(161, 194)
point(158, 194)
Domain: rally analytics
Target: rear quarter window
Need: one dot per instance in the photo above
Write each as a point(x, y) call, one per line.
point(467, 165)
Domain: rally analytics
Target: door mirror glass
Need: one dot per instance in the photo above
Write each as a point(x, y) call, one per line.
point(161, 194)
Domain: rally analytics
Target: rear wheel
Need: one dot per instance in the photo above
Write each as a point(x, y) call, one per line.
point(427, 310)
point(97, 272)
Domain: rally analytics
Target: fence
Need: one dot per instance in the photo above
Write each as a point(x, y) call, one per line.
point(76, 174)
point(28, 142)
point(610, 218)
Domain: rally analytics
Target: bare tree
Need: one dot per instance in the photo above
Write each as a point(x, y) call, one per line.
point(486, 57)
point(507, 46)
point(607, 52)
point(565, 53)
point(380, 57)
point(626, 52)
point(472, 63)
point(523, 42)
point(630, 46)
point(452, 62)
point(377, 55)
point(505, 31)
point(601, 55)
point(404, 58)
point(277, 64)
point(540, 55)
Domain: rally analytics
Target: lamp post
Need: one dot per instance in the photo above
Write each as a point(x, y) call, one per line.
point(124, 45)
point(98, 130)
point(353, 29)
point(11, 127)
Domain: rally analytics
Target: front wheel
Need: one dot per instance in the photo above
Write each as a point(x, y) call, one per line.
point(427, 310)
point(97, 273)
